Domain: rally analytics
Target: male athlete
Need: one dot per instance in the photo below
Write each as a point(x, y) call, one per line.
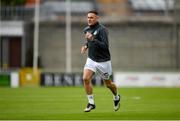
point(98, 61)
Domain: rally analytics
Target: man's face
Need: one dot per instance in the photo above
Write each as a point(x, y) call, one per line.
point(92, 19)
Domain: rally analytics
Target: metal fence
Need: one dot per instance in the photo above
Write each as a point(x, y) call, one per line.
point(17, 13)
point(54, 9)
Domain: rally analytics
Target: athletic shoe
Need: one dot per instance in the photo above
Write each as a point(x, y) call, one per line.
point(117, 104)
point(89, 107)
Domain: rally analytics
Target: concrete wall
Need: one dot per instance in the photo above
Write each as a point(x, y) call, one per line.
point(133, 46)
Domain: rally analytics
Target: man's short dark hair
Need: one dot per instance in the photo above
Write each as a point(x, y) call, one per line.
point(93, 11)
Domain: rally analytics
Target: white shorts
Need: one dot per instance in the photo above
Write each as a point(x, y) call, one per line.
point(103, 69)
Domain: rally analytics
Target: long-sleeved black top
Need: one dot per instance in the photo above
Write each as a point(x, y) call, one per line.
point(99, 46)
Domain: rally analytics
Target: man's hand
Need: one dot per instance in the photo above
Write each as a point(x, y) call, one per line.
point(89, 36)
point(83, 49)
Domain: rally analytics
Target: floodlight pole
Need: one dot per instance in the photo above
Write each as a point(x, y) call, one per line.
point(166, 11)
point(68, 36)
point(36, 35)
point(176, 32)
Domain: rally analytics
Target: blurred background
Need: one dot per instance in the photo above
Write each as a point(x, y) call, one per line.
point(40, 41)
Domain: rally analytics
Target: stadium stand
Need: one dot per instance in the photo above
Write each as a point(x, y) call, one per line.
point(114, 7)
point(152, 6)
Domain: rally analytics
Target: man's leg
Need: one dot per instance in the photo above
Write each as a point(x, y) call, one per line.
point(111, 86)
point(113, 89)
point(87, 76)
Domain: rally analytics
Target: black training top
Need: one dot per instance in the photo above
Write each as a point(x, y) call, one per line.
point(99, 46)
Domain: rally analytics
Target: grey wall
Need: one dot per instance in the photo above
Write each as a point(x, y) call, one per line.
point(133, 46)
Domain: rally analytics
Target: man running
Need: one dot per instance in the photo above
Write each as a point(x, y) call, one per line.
point(99, 59)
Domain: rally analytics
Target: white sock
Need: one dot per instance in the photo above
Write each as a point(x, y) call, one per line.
point(116, 97)
point(90, 99)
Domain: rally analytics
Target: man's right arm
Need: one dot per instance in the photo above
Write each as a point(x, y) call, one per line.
point(85, 46)
point(84, 49)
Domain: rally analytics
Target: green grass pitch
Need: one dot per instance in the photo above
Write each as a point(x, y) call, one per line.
point(67, 103)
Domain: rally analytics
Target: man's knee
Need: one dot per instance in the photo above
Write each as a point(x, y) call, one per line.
point(86, 80)
point(108, 83)
point(87, 76)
